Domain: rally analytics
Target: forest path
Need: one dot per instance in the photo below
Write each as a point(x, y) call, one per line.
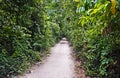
point(58, 65)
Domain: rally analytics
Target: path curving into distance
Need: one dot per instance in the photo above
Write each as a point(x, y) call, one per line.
point(58, 65)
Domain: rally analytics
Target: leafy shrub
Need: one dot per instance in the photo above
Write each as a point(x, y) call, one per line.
point(95, 37)
point(25, 34)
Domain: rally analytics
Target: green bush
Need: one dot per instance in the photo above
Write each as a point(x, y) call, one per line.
point(25, 35)
point(95, 37)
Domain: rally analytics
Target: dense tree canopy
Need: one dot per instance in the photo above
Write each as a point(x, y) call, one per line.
point(28, 28)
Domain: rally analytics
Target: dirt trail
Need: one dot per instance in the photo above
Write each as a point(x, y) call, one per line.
point(58, 65)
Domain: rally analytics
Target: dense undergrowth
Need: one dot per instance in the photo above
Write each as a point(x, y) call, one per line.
point(26, 34)
point(28, 28)
point(93, 28)
point(96, 36)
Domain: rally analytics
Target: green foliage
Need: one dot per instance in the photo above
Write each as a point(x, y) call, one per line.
point(93, 37)
point(28, 28)
point(26, 33)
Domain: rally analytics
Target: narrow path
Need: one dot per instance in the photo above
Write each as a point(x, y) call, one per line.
point(58, 65)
